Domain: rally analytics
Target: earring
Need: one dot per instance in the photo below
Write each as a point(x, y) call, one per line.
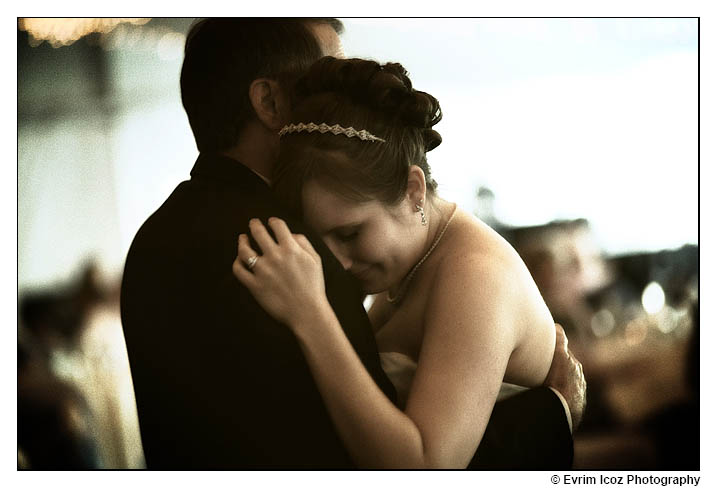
point(423, 215)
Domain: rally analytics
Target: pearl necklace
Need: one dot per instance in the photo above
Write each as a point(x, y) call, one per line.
point(404, 283)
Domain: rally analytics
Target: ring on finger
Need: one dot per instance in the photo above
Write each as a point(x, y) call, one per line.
point(251, 262)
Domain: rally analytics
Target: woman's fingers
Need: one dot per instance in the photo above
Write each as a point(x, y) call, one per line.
point(282, 233)
point(281, 230)
point(245, 252)
point(247, 259)
point(261, 236)
point(240, 264)
point(304, 243)
point(240, 271)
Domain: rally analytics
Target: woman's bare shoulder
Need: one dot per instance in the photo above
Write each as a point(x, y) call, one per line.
point(477, 270)
point(476, 242)
point(483, 268)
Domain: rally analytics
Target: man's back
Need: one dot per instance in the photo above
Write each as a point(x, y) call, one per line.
point(219, 384)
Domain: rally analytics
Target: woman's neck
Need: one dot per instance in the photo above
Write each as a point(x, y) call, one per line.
point(439, 212)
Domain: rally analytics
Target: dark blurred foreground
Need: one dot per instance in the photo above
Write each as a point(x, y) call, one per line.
point(76, 406)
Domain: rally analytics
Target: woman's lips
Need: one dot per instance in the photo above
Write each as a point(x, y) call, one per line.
point(362, 274)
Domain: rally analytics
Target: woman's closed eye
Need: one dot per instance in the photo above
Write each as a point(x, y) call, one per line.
point(347, 236)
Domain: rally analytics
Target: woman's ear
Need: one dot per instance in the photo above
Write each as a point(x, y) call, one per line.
point(416, 185)
point(270, 103)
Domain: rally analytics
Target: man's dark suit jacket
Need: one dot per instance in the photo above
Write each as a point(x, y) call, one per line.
point(220, 384)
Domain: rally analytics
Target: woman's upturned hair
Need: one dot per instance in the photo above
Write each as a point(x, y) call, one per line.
point(362, 94)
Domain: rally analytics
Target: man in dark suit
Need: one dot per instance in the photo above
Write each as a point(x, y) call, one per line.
point(218, 383)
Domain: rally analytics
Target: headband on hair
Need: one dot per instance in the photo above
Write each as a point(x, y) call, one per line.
point(336, 129)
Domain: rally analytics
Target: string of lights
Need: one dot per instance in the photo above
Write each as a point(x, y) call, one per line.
point(60, 32)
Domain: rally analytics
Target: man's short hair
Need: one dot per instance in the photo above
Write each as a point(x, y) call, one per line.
point(222, 58)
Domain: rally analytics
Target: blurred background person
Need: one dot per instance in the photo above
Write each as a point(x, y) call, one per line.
point(74, 385)
point(633, 322)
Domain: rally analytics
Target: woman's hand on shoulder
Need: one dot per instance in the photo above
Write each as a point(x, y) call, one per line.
point(285, 276)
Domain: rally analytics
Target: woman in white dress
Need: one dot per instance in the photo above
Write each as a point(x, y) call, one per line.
point(456, 312)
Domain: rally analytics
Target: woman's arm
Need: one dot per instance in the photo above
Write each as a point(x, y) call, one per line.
point(460, 368)
point(469, 335)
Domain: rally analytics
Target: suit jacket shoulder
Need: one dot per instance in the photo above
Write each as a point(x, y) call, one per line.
point(218, 382)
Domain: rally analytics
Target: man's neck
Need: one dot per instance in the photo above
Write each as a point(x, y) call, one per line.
point(256, 150)
point(249, 163)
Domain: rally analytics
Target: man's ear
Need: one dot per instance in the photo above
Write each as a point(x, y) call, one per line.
point(416, 185)
point(270, 103)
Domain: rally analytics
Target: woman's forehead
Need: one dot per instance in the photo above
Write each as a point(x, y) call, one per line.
point(327, 208)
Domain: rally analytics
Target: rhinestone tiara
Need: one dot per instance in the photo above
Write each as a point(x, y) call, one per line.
point(336, 129)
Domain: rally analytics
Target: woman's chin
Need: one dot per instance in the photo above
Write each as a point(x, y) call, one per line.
point(375, 286)
point(372, 280)
point(371, 290)
point(371, 285)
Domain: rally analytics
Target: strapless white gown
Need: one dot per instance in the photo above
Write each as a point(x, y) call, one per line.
point(400, 369)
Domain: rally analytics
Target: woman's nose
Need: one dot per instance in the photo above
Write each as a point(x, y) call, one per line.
point(345, 261)
point(341, 253)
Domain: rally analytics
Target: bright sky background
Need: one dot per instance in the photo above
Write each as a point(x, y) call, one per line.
point(560, 118)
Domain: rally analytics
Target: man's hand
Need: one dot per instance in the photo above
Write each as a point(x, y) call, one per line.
point(566, 376)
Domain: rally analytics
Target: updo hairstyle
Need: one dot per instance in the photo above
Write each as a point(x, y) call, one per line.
point(361, 94)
